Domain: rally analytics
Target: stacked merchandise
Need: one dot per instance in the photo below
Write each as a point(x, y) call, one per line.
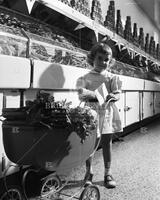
point(154, 49)
point(141, 39)
point(135, 35)
point(128, 30)
point(151, 46)
point(65, 1)
point(147, 43)
point(127, 70)
point(119, 26)
point(81, 6)
point(110, 17)
point(154, 68)
point(157, 51)
point(96, 11)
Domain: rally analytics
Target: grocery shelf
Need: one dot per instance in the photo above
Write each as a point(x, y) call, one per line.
point(119, 40)
point(75, 15)
point(93, 25)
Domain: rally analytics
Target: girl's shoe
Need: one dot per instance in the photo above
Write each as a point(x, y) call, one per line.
point(109, 182)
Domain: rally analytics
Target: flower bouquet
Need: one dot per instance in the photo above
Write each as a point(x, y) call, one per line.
point(60, 114)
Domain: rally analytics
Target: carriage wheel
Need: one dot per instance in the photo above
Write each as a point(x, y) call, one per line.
point(50, 187)
point(91, 192)
point(13, 193)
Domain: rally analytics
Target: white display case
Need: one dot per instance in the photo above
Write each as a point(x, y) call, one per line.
point(131, 108)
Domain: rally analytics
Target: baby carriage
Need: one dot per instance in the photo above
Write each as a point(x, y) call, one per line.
point(49, 139)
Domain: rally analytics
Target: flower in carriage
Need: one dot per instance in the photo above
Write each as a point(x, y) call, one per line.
point(53, 113)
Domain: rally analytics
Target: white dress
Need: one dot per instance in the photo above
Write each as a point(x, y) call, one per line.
point(107, 115)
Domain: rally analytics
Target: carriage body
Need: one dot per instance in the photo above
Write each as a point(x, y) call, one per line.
point(48, 134)
point(57, 149)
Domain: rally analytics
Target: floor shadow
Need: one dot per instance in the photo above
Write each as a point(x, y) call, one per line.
point(74, 184)
point(80, 183)
point(100, 183)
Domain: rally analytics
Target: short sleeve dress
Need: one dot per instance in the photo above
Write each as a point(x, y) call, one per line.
point(108, 114)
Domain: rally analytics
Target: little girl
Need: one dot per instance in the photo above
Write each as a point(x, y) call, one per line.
point(100, 58)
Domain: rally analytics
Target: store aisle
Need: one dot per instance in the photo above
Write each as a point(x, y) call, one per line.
point(136, 166)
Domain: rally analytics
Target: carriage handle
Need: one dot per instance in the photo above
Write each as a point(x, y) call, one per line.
point(107, 103)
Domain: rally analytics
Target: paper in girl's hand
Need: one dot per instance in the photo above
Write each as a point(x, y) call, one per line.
point(101, 93)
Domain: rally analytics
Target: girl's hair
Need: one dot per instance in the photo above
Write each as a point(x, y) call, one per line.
point(99, 47)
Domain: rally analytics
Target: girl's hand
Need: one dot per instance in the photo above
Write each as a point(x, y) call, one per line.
point(80, 91)
point(112, 97)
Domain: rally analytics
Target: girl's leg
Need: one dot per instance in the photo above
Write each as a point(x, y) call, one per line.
point(107, 157)
point(106, 142)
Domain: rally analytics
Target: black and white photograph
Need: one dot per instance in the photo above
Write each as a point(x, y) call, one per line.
point(79, 99)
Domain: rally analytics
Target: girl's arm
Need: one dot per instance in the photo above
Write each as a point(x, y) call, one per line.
point(85, 94)
point(116, 86)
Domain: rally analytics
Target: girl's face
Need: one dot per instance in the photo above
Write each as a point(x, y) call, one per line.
point(101, 61)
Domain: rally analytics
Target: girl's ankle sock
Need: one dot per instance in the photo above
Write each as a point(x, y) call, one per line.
point(107, 169)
